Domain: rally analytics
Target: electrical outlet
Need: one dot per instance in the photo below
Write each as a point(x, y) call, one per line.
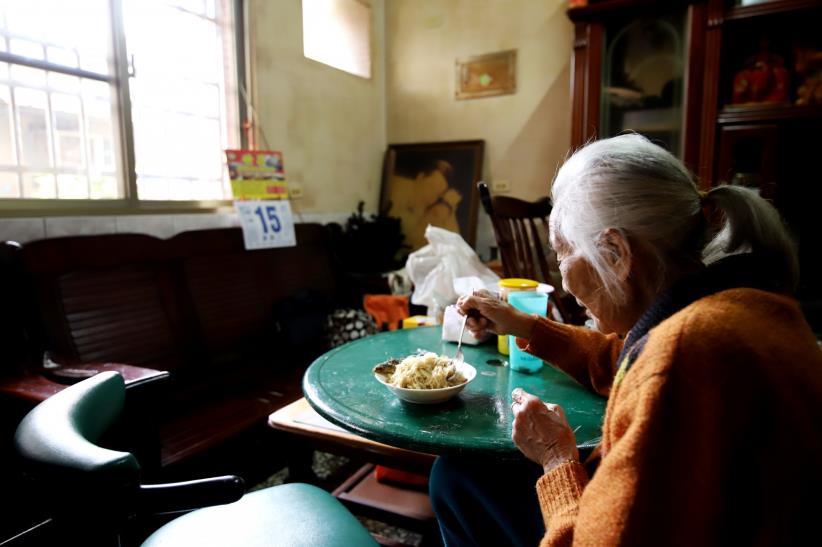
point(501, 186)
point(295, 190)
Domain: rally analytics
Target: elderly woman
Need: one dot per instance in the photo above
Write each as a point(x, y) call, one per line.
point(713, 428)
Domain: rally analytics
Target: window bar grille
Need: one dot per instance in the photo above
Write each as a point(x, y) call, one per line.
point(45, 65)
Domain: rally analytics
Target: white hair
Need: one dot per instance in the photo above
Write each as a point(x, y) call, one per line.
point(632, 185)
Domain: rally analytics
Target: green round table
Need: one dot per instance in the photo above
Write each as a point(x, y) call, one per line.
point(341, 387)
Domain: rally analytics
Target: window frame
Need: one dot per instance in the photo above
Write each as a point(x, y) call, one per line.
point(124, 137)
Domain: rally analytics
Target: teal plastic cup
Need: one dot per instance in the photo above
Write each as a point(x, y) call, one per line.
point(529, 302)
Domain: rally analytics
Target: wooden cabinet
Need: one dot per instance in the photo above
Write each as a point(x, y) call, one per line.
point(638, 65)
point(732, 87)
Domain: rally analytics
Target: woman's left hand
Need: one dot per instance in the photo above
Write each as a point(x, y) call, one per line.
point(541, 431)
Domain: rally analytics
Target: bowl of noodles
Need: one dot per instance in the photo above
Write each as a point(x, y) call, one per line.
point(425, 378)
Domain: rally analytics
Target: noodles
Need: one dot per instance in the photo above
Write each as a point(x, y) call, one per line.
point(425, 371)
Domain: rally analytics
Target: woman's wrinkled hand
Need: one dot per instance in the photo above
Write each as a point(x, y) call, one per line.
point(487, 312)
point(541, 431)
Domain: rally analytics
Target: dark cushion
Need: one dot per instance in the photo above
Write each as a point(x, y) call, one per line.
point(289, 514)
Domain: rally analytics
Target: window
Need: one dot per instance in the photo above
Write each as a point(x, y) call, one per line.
point(338, 33)
point(66, 129)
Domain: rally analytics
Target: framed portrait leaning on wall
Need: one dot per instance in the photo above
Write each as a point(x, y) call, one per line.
point(433, 183)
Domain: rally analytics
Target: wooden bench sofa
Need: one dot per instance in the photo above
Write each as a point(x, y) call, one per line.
point(234, 329)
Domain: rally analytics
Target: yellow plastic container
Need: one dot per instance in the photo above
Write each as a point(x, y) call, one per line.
point(418, 321)
point(506, 287)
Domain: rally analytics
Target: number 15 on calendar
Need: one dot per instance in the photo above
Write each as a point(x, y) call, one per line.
point(266, 223)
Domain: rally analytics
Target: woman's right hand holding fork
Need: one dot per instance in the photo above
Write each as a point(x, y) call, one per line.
point(487, 312)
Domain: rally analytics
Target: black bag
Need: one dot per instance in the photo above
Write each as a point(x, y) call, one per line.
point(300, 320)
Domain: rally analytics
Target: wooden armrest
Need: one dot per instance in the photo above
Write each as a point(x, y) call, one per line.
point(36, 387)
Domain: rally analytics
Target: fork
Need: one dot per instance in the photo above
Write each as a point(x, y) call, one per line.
point(458, 356)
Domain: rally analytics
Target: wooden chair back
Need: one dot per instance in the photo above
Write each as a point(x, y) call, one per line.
point(521, 231)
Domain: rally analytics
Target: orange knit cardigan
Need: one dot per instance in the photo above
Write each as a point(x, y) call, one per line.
point(712, 437)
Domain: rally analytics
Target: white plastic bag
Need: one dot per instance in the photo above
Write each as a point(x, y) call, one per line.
point(434, 268)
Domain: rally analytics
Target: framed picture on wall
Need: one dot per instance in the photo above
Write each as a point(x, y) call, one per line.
point(486, 75)
point(433, 183)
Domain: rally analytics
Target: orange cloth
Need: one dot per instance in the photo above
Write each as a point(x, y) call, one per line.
point(712, 434)
point(386, 308)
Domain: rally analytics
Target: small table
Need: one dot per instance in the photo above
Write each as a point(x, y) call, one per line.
point(311, 431)
point(341, 387)
point(404, 507)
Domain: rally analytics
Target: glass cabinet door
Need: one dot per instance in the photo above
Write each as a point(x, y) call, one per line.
point(642, 79)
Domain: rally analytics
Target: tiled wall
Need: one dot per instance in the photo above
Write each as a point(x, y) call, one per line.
point(23, 230)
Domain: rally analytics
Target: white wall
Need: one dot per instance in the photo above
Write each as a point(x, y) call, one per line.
point(527, 134)
point(330, 125)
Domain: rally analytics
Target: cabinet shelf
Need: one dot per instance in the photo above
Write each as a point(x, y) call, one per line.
point(767, 113)
point(651, 119)
point(769, 8)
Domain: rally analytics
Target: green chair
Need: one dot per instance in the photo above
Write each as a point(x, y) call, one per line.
point(93, 494)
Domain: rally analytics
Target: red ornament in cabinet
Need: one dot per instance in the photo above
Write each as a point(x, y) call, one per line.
point(763, 80)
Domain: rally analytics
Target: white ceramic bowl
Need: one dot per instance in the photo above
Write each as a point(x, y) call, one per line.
point(431, 396)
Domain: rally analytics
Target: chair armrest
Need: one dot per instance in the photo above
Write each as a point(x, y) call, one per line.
point(69, 372)
point(184, 496)
point(57, 446)
point(39, 386)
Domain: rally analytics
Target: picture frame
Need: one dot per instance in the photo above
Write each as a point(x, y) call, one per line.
point(433, 183)
point(486, 75)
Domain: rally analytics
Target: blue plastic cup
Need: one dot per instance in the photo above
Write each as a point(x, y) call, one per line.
point(529, 302)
